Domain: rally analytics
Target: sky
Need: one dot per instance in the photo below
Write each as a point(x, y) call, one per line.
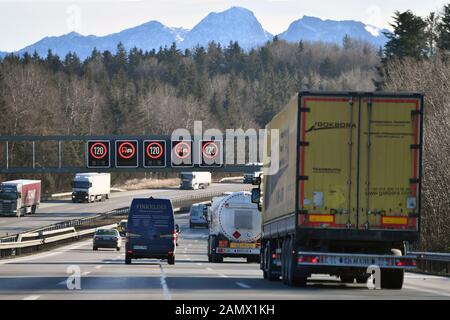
point(23, 22)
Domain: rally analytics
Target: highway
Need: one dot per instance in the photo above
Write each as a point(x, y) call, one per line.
point(105, 276)
point(61, 210)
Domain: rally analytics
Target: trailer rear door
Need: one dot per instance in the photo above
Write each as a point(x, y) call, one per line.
point(328, 162)
point(389, 163)
point(359, 161)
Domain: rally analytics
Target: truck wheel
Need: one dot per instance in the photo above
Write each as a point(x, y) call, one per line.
point(127, 259)
point(284, 262)
point(171, 260)
point(347, 279)
point(94, 248)
point(107, 196)
point(270, 267)
point(392, 279)
point(361, 279)
point(253, 259)
point(33, 209)
point(293, 279)
point(209, 258)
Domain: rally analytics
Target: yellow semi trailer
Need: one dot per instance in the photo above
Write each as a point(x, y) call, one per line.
point(347, 192)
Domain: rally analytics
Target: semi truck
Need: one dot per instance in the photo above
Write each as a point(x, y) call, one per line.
point(346, 195)
point(91, 187)
point(19, 197)
point(195, 180)
point(234, 228)
point(250, 176)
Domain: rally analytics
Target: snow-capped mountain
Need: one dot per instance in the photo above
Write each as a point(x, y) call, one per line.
point(235, 24)
point(150, 35)
point(315, 29)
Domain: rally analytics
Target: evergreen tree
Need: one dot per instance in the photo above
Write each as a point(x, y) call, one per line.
point(443, 41)
point(347, 42)
point(72, 63)
point(408, 38)
point(53, 61)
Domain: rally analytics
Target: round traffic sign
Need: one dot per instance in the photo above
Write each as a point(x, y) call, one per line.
point(126, 150)
point(98, 150)
point(182, 150)
point(210, 150)
point(154, 150)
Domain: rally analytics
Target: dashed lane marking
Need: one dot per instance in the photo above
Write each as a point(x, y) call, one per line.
point(243, 285)
point(164, 286)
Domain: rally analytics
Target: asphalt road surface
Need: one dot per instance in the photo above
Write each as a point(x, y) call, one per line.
point(105, 276)
point(62, 210)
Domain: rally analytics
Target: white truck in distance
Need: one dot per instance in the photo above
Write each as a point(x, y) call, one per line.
point(92, 186)
point(195, 180)
point(248, 177)
point(19, 197)
point(234, 228)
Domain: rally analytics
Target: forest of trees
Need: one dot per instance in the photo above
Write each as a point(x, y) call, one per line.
point(141, 93)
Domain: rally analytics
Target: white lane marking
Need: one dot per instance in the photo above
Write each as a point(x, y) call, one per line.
point(243, 285)
point(46, 255)
point(164, 286)
point(85, 273)
point(199, 264)
point(31, 298)
point(98, 267)
point(218, 273)
point(416, 288)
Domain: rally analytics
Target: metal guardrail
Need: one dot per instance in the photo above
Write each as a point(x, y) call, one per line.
point(433, 262)
point(45, 234)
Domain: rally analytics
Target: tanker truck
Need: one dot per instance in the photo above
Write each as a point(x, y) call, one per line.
point(234, 228)
point(345, 199)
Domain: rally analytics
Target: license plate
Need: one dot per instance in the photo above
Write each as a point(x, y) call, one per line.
point(243, 245)
point(140, 247)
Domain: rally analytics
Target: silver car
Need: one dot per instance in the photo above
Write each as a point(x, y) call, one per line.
point(107, 238)
point(197, 216)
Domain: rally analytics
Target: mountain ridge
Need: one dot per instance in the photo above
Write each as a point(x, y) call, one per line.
point(234, 24)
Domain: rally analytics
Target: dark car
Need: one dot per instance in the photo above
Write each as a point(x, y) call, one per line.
point(151, 231)
point(198, 216)
point(107, 238)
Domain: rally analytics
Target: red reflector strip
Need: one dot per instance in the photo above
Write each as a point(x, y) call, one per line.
point(308, 259)
point(406, 263)
point(223, 243)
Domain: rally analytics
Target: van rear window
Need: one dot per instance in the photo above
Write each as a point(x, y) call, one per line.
point(151, 214)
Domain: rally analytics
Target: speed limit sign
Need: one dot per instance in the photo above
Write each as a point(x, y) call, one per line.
point(98, 154)
point(211, 153)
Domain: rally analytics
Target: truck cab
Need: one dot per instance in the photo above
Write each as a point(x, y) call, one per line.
point(250, 176)
point(19, 197)
point(89, 187)
point(195, 180)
